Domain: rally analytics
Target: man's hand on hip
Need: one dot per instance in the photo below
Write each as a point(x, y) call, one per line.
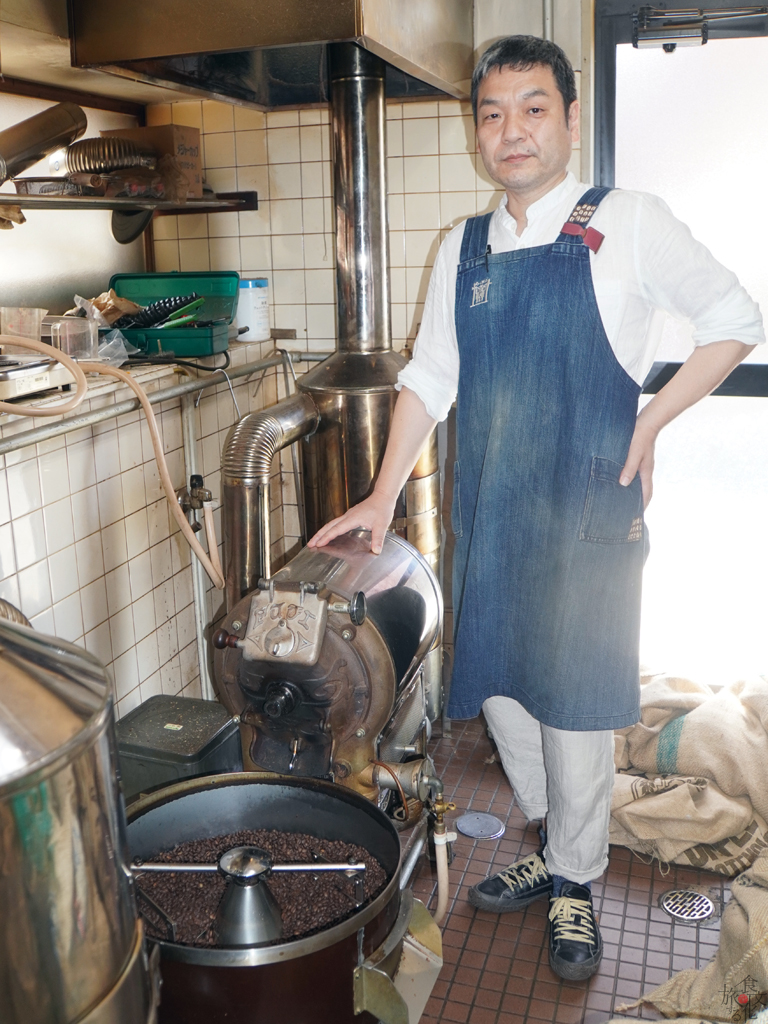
point(640, 460)
point(700, 374)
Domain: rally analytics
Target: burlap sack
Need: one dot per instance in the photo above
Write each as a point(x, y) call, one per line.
point(740, 966)
point(686, 730)
point(662, 698)
point(668, 817)
point(678, 1020)
point(665, 816)
point(729, 856)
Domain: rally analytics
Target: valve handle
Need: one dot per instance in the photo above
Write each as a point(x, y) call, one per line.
point(221, 639)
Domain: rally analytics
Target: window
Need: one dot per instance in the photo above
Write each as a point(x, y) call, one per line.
point(691, 127)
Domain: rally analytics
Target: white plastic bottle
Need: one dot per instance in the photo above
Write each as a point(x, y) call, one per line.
point(253, 309)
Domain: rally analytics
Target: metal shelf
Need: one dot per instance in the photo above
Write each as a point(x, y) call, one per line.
point(225, 201)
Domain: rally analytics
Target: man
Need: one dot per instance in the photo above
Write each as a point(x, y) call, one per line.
point(548, 307)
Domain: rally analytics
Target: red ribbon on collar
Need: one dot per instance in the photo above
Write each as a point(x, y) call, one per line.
point(592, 239)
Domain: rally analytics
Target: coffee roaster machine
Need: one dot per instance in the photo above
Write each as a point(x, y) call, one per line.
point(334, 663)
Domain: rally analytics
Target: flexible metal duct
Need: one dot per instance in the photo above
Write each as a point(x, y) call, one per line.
point(250, 447)
point(100, 156)
point(13, 614)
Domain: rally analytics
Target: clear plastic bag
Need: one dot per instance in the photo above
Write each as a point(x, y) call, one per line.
point(115, 349)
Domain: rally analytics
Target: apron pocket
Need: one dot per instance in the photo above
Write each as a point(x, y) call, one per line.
point(612, 514)
point(456, 505)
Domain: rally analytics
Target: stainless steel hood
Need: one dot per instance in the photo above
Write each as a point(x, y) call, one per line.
point(273, 54)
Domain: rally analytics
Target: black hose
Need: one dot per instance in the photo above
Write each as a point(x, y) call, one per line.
point(159, 360)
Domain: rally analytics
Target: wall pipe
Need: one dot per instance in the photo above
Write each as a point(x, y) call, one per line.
point(549, 20)
point(69, 424)
point(210, 560)
point(191, 466)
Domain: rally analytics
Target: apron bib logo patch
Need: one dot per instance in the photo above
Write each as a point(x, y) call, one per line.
point(480, 292)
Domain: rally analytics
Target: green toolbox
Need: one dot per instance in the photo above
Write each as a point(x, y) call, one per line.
point(219, 289)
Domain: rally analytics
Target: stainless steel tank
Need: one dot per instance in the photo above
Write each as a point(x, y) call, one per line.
point(323, 691)
point(71, 944)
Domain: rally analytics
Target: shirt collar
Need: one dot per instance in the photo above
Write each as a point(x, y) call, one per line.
point(542, 206)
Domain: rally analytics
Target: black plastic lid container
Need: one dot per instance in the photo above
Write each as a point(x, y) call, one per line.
point(167, 739)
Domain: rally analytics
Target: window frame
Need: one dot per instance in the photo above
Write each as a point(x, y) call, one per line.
point(613, 26)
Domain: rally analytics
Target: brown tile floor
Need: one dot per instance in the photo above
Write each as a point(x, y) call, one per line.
point(496, 968)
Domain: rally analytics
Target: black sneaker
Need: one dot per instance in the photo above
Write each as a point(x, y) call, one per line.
point(513, 888)
point(575, 945)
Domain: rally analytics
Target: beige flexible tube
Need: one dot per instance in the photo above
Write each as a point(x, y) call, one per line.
point(211, 565)
point(210, 536)
point(441, 859)
point(60, 357)
point(165, 478)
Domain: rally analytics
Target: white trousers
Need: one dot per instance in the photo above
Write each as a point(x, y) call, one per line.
point(564, 776)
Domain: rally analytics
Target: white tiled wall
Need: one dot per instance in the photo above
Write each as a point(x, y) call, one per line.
point(88, 549)
point(435, 180)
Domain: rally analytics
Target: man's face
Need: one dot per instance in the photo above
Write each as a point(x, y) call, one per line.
point(522, 133)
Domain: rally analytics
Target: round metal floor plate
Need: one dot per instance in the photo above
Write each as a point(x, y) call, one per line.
point(480, 826)
point(686, 905)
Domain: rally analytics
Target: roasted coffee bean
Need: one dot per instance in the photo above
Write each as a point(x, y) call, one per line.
point(308, 902)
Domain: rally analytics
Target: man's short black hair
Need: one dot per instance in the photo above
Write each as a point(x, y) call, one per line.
point(521, 53)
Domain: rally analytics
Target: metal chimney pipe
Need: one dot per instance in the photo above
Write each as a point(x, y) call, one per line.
point(25, 143)
point(358, 119)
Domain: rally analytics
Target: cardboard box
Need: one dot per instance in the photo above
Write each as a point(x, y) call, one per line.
point(179, 140)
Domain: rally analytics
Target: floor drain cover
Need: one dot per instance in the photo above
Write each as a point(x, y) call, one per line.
point(686, 905)
point(480, 826)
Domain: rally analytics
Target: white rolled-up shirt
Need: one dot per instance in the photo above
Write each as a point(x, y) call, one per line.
point(649, 264)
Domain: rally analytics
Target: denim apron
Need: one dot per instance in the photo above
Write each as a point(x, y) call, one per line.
point(549, 546)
